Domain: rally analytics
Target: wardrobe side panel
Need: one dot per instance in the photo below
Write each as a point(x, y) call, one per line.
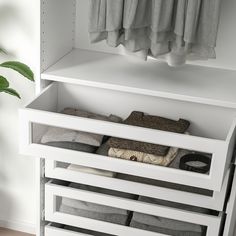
point(57, 30)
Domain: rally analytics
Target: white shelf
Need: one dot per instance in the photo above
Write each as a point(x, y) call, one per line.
point(189, 83)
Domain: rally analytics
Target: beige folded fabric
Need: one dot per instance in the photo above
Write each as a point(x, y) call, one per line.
point(144, 157)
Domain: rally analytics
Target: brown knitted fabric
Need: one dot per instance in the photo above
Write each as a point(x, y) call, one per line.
point(154, 122)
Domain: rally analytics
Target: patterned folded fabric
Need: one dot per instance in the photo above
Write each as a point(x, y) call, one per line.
point(152, 122)
point(144, 157)
point(55, 134)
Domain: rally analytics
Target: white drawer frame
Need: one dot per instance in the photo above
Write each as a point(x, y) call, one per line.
point(214, 202)
point(54, 231)
point(221, 150)
point(52, 191)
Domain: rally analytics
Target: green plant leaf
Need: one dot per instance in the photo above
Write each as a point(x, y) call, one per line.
point(3, 83)
point(20, 68)
point(11, 92)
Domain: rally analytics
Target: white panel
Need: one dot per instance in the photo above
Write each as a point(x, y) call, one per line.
point(57, 30)
point(231, 211)
point(215, 202)
point(51, 191)
point(106, 101)
point(190, 83)
point(53, 231)
point(219, 148)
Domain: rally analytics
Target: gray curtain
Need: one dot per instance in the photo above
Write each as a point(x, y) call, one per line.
point(180, 29)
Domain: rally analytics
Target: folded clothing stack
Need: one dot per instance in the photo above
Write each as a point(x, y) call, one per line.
point(164, 225)
point(145, 152)
point(96, 211)
point(76, 140)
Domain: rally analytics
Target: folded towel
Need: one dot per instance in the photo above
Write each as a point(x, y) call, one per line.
point(170, 225)
point(73, 146)
point(55, 134)
point(89, 170)
point(153, 122)
point(113, 218)
point(161, 230)
point(144, 157)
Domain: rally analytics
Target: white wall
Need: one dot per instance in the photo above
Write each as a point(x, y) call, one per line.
point(18, 34)
point(17, 193)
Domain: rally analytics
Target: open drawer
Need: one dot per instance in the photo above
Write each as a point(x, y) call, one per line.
point(141, 186)
point(207, 224)
point(212, 131)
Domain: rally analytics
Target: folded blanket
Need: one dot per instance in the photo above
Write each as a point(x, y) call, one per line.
point(55, 134)
point(161, 230)
point(73, 146)
point(89, 170)
point(113, 218)
point(144, 157)
point(167, 226)
point(153, 122)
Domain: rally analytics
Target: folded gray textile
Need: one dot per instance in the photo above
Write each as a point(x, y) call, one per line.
point(168, 226)
point(103, 149)
point(93, 207)
point(73, 146)
point(153, 122)
point(55, 134)
point(113, 218)
point(161, 230)
point(157, 27)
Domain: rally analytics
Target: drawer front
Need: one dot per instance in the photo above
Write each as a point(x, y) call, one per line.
point(42, 112)
point(53, 191)
point(54, 231)
point(214, 201)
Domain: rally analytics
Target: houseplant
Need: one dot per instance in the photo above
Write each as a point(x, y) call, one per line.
point(20, 68)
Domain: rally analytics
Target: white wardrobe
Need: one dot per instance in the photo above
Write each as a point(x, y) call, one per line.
point(96, 78)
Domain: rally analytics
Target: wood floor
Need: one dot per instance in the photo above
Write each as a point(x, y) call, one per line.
point(7, 232)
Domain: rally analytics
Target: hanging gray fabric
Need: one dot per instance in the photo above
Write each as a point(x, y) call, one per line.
point(175, 29)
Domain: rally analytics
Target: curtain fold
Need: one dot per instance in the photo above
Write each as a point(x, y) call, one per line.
point(178, 30)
